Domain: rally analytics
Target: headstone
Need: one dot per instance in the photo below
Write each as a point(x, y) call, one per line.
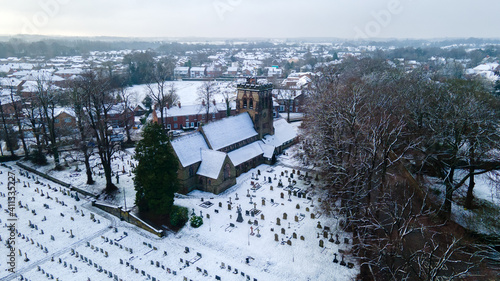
point(302, 238)
point(285, 216)
point(278, 222)
point(321, 243)
point(342, 262)
point(276, 237)
point(296, 219)
point(262, 216)
point(282, 231)
point(294, 235)
point(335, 260)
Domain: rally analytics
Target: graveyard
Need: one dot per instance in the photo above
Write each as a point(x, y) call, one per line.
point(269, 226)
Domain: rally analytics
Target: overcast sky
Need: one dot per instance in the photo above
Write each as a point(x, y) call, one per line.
point(253, 18)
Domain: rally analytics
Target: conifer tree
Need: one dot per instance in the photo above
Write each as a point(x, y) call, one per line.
point(156, 173)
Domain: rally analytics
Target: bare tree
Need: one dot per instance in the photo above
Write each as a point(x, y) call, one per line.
point(17, 106)
point(85, 134)
point(7, 132)
point(33, 113)
point(285, 97)
point(125, 97)
point(363, 123)
point(47, 96)
point(161, 92)
point(228, 93)
point(206, 96)
point(97, 102)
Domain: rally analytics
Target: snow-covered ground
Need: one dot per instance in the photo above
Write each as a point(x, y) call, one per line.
point(187, 91)
point(483, 219)
point(109, 246)
point(121, 166)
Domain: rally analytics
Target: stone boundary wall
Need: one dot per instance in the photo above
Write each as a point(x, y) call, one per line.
point(118, 212)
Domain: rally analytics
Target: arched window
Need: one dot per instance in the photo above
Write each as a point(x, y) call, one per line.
point(227, 172)
point(244, 102)
point(250, 104)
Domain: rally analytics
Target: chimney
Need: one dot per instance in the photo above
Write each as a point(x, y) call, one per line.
point(179, 104)
point(214, 102)
point(203, 102)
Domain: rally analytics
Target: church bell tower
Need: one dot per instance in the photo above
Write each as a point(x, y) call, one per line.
point(257, 100)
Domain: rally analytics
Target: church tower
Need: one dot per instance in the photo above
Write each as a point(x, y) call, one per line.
point(257, 100)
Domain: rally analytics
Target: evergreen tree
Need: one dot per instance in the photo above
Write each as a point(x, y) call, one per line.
point(156, 173)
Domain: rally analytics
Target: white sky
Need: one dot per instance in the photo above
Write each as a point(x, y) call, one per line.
point(252, 18)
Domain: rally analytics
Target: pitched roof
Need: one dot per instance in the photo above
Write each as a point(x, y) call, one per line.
point(283, 132)
point(188, 148)
point(211, 163)
point(246, 153)
point(229, 131)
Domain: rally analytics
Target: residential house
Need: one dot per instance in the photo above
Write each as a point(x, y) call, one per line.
point(192, 116)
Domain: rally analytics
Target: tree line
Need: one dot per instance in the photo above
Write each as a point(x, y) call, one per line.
point(377, 133)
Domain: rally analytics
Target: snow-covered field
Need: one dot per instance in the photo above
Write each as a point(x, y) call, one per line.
point(187, 91)
point(111, 247)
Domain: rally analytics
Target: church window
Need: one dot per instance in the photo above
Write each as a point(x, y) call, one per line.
point(227, 172)
point(251, 103)
point(244, 103)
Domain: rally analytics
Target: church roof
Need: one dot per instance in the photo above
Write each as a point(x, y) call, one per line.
point(211, 163)
point(229, 131)
point(283, 132)
point(245, 153)
point(188, 148)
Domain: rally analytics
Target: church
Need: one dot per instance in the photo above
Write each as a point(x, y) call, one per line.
point(211, 158)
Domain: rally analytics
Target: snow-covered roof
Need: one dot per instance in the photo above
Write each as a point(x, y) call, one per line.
point(283, 132)
point(72, 71)
point(67, 110)
point(268, 150)
point(211, 163)
point(194, 109)
point(246, 153)
point(188, 148)
point(229, 131)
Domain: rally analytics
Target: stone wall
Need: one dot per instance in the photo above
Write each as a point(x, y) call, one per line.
point(128, 217)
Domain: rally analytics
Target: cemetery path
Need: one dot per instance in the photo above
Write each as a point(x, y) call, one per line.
point(111, 225)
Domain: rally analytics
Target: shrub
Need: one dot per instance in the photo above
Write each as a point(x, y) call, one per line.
point(196, 221)
point(178, 216)
point(38, 157)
